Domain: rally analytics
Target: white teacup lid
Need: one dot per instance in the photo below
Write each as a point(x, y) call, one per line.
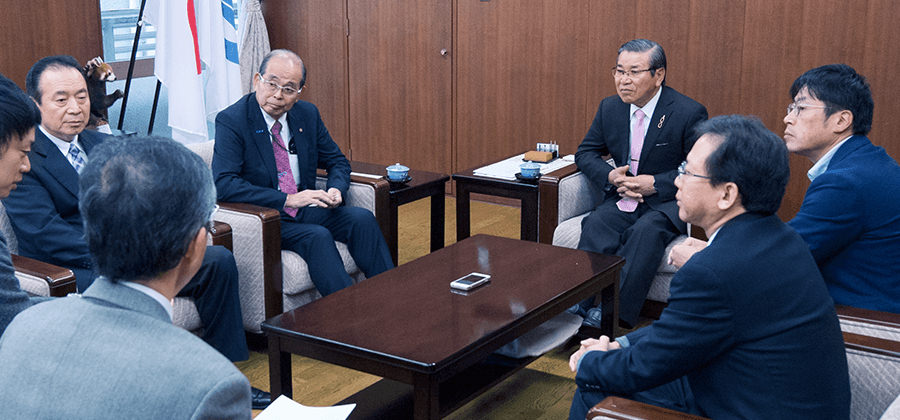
point(397, 167)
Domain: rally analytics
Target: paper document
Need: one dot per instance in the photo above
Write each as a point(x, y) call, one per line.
point(373, 176)
point(508, 168)
point(286, 408)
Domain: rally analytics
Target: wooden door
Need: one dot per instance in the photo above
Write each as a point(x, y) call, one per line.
point(400, 82)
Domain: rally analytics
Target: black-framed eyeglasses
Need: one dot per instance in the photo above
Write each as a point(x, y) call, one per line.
point(683, 171)
point(272, 87)
point(800, 107)
point(617, 72)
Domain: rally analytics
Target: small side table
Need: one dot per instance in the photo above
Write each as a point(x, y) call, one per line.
point(423, 184)
point(529, 193)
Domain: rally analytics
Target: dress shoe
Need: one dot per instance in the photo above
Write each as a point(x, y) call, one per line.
point(260, 399)
point(593, 317)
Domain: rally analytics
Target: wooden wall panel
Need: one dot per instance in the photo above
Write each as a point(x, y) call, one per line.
point(35, 29)
point(521, 71)
point(711, 73)
point(400, 83)
point(316, 30)
point(611, 24)
point(881, 59)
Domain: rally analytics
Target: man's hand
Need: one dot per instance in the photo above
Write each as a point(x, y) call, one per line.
point(682, 252)
point(636, 187)
point(602, 344)
point(315, 198)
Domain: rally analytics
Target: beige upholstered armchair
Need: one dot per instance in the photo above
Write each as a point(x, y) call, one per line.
point(273, 281)
point(42, 279)
point(872, 341)
point(566, 197)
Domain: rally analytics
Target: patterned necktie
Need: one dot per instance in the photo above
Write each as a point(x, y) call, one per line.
point(286, 182)
point(629, 204)
point(75, 157)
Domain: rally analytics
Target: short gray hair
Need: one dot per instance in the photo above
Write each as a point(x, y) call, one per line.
point(143, 199)
point(657, 55)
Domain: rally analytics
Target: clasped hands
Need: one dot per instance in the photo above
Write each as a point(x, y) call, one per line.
point(315, 198)
point(636, 187)
point(603, 344)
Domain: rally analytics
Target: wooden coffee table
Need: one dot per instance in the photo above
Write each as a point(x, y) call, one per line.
point(407, 326)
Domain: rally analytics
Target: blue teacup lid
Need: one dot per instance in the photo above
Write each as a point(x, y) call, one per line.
point(397, 167)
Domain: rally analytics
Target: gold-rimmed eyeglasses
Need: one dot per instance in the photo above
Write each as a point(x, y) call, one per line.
point(271, 86)
point(617, 72)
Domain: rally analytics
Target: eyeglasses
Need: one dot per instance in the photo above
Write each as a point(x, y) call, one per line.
point(800, 107)
point(292, 147)
point(683, 171)
point(272, 87)
point(618, 73)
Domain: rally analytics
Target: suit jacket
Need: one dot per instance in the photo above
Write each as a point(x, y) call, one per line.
point(666, 144)
point(113, 353)
point(750, 323)
point(850, 217)
point(12, 298)
point(43, 209)
point(244, 162)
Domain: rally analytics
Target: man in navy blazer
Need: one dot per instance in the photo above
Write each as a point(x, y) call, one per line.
point(44, 209)
point(850, 216)
point(643, 172)
point(18, 116)
point(268, 147)
point(749, 330)
point(113, 352)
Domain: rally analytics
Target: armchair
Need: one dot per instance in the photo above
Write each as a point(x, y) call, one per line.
point(42, 279)
point(566, 197)
point(272, 280)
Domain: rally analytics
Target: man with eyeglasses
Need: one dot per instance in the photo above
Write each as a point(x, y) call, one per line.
point(749, 329)
point(45, 215)
point(268, 146)
point(850, 216)
point(645, 129)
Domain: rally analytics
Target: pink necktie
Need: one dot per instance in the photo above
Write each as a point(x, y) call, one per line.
point(286, 182)
point(629, 204)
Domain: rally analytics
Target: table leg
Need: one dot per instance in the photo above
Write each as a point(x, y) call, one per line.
point(426, 399)
point(279, 370)
point(529, 231)
point(437, 222)
point(609, 298)
point(393, 227)
point(462, 211)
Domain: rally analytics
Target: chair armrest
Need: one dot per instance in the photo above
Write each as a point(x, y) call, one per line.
point(60, 281)
point(221, 235)
point(872, 344)
point(625, 409)
point(373, 194)
point(887, 319)
point(258, 244)
point(553, 206)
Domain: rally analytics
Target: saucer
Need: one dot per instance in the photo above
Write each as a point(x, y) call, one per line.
point(398, 183)
point(521, 178)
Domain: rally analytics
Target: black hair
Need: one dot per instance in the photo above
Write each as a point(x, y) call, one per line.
point(840, 87)
point(33, 78)
point(18, 113)
point(657, 54)
point(749, 155)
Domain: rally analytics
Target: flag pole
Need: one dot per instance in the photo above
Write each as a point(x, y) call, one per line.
point(153, 109)
point(137, 37)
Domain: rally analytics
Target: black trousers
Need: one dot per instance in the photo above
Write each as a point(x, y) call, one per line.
point(640, 237)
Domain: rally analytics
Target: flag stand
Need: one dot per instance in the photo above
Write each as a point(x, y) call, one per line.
point(134, 45)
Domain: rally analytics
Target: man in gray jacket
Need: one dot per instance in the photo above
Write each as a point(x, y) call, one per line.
point(113, 351)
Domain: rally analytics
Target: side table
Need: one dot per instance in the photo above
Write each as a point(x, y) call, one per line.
point(423, 184)
point(529, 193)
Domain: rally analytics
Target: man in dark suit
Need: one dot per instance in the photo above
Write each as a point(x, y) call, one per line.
point(18, 116)
point(850, 215)
point(268, 146)
point(45, 215)
point(113, 351)
point(749, 329)
point(638, 216)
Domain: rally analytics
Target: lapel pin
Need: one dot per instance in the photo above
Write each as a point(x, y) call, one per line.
point(661, 120)
point(301, 129)
point(260, 131)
